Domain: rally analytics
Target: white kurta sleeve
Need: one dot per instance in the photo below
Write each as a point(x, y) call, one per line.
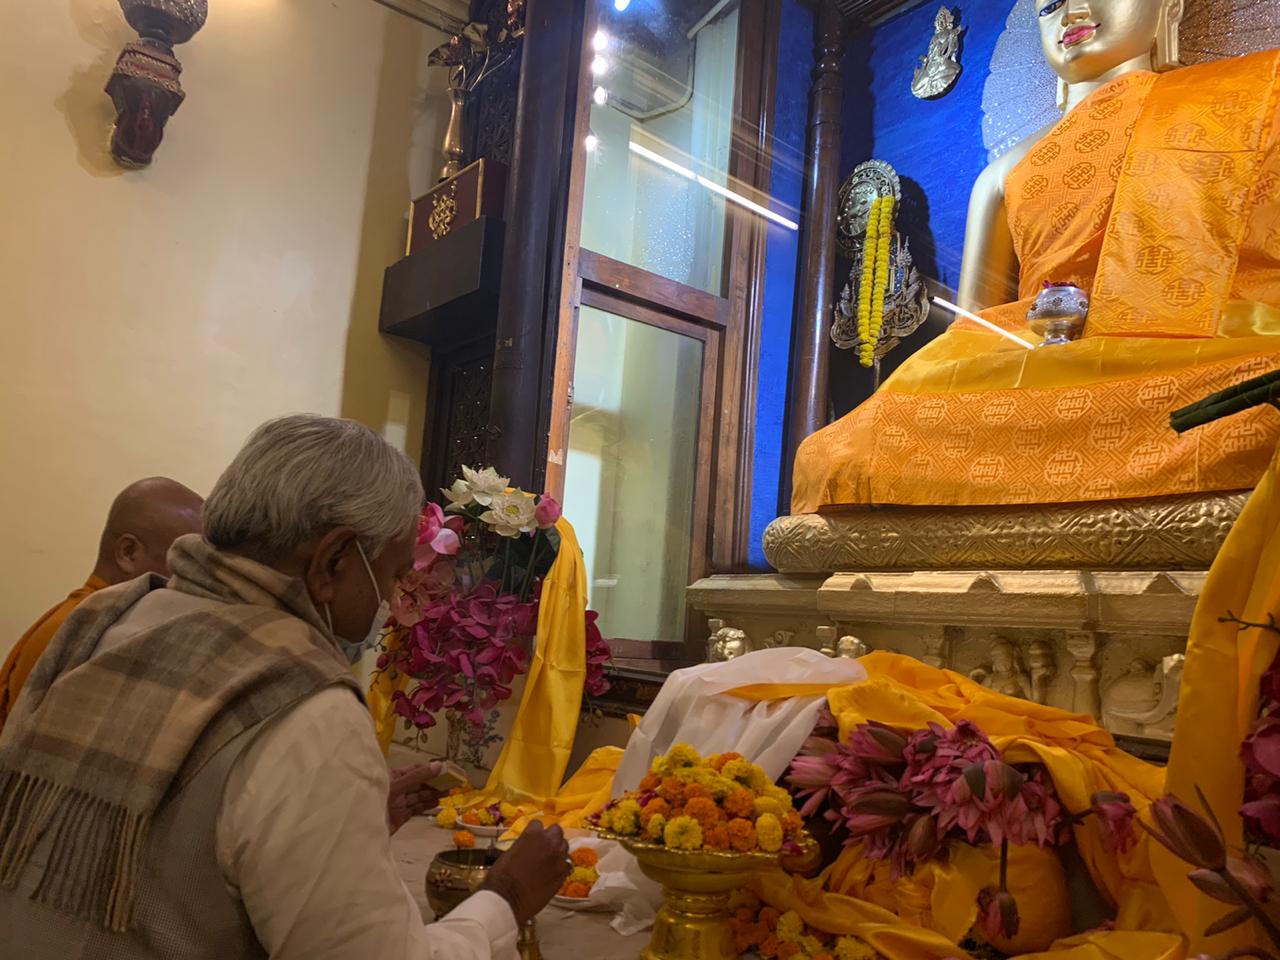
point(303, 841)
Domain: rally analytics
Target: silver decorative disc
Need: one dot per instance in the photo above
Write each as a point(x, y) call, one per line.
point(868, 182)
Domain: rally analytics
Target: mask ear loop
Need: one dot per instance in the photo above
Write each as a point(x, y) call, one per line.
point(369, 570)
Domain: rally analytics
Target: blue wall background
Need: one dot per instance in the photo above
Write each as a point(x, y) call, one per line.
point(782, 247)
point(936, 147)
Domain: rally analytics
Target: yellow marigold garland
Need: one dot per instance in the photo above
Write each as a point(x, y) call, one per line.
point(875, 277)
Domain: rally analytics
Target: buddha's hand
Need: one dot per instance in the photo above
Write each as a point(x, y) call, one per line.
point(410, 794)
point(528, 875)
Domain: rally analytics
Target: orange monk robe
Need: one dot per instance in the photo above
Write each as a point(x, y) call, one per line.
point(22, 658)
point(1160, 195)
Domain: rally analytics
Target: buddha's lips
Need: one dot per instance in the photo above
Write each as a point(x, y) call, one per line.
point(1078, 34)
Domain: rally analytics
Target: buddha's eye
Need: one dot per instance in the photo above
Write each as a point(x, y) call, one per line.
point(1051, 8)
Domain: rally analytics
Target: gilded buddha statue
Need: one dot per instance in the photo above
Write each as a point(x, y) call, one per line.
point(1158, 193)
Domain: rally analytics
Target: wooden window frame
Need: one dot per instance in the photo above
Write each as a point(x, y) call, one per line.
point(719, 541)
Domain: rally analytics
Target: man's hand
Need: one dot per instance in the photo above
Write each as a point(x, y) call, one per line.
point(410, 794)
point(528, 875)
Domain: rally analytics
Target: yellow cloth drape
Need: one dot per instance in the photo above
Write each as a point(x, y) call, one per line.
point(532, 764)
point(381, 690)
point(1218, 700)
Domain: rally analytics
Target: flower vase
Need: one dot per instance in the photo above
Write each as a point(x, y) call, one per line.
point(454, 149)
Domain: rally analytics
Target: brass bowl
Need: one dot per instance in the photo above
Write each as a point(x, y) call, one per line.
point(455, 875)
point(693, 922)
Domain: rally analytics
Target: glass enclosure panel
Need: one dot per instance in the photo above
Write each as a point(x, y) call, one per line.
point(631, 468)
point(661, 128)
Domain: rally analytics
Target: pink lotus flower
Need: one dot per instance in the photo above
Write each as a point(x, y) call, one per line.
point(1262, 818)
point(598, 654)
point(437, 535)
point(997, 914)
point(1114, 815)
point(547, 512)
point(876, 743)
point(875, 807)
point(1261, 749)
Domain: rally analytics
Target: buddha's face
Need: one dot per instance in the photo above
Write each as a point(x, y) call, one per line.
point(1084, 39)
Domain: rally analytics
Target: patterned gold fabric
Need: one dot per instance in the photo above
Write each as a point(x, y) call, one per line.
point(1161, 196)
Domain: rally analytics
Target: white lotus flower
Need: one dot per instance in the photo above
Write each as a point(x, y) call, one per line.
point(459, 496)
point(485, 484)
point(512, 514)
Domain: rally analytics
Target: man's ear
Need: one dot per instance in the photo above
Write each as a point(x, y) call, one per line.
point(327, 562)
point(128, 553)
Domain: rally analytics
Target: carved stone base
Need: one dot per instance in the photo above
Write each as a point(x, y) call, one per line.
point(1162, 533)
point(1095, 642)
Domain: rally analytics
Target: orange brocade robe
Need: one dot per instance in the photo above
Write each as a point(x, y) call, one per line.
point(1160, 195)
point(22, 658)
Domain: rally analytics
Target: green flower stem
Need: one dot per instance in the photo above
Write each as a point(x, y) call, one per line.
point(538, 537)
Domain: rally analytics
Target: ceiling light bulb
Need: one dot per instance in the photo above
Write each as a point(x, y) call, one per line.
point(599, 65)
point(601, 96)
point(591, 142)
point(600, 41)
point(621, 5)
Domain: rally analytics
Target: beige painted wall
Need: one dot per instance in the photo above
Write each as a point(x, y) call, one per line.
point(152, 318)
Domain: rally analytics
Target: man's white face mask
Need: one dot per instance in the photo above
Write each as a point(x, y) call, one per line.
point(354, 651)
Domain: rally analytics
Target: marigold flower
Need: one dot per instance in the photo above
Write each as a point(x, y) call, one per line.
point(587, 875)
point(746, 775)
point(655, 827)
point(768, 805)
point(769, 832)
point(509, 812)
point(769, 947)
point(716, 838)
point(851, 948)
point(788, 950)
point(657, 807)
point(575, 891)
point(672, 791)
point(823, 955)
point(584, 857)
point(472, 818)
point(704, 810)
point(650, 782)
point(464, 839)
point(626, 818)
point(811, 944)
point(720, 759)
point(790, 926)
point(447, 818)
point(683, 833)
point(682, 755)
point(770, 917)
point(742, 835)
point(740, 803)
point(696, 791)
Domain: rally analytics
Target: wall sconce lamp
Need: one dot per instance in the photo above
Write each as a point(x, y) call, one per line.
point(144, 85)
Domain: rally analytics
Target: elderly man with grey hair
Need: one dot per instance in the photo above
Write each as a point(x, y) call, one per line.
point(191, 772)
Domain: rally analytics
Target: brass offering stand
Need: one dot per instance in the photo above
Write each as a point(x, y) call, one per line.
point(693, 922)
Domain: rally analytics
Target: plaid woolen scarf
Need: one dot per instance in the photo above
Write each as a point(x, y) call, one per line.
point(101, 738)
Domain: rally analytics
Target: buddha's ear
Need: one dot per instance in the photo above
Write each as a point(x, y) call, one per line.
point(1165, 56)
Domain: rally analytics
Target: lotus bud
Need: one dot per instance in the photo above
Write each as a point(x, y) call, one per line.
point(1188, 835)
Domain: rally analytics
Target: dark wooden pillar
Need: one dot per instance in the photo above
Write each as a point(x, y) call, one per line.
point(536, 210)
point(808, 396)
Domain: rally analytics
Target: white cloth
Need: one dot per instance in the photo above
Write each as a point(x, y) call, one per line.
point(303, 841)
point(691, 708)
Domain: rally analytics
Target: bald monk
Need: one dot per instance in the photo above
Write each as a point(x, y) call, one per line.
point(144, 520)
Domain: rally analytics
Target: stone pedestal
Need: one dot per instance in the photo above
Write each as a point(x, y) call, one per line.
point(1095, 642)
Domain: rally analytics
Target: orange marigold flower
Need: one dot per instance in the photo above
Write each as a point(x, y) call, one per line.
point(651, 782)
point(576, 891)
point(717, 838)
point(465, 840)
point(655, 807)
point(823, 956)
point(740, 803)
point(584, 857)
point(791, 822)
point(471, 818)
point(695, 791)
point(788, 949)
point(742, 835)
point(744, 915)
point(720, 759)
point(769, 947)
point(769, 916)
point(704, 810)
point(672, 791)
